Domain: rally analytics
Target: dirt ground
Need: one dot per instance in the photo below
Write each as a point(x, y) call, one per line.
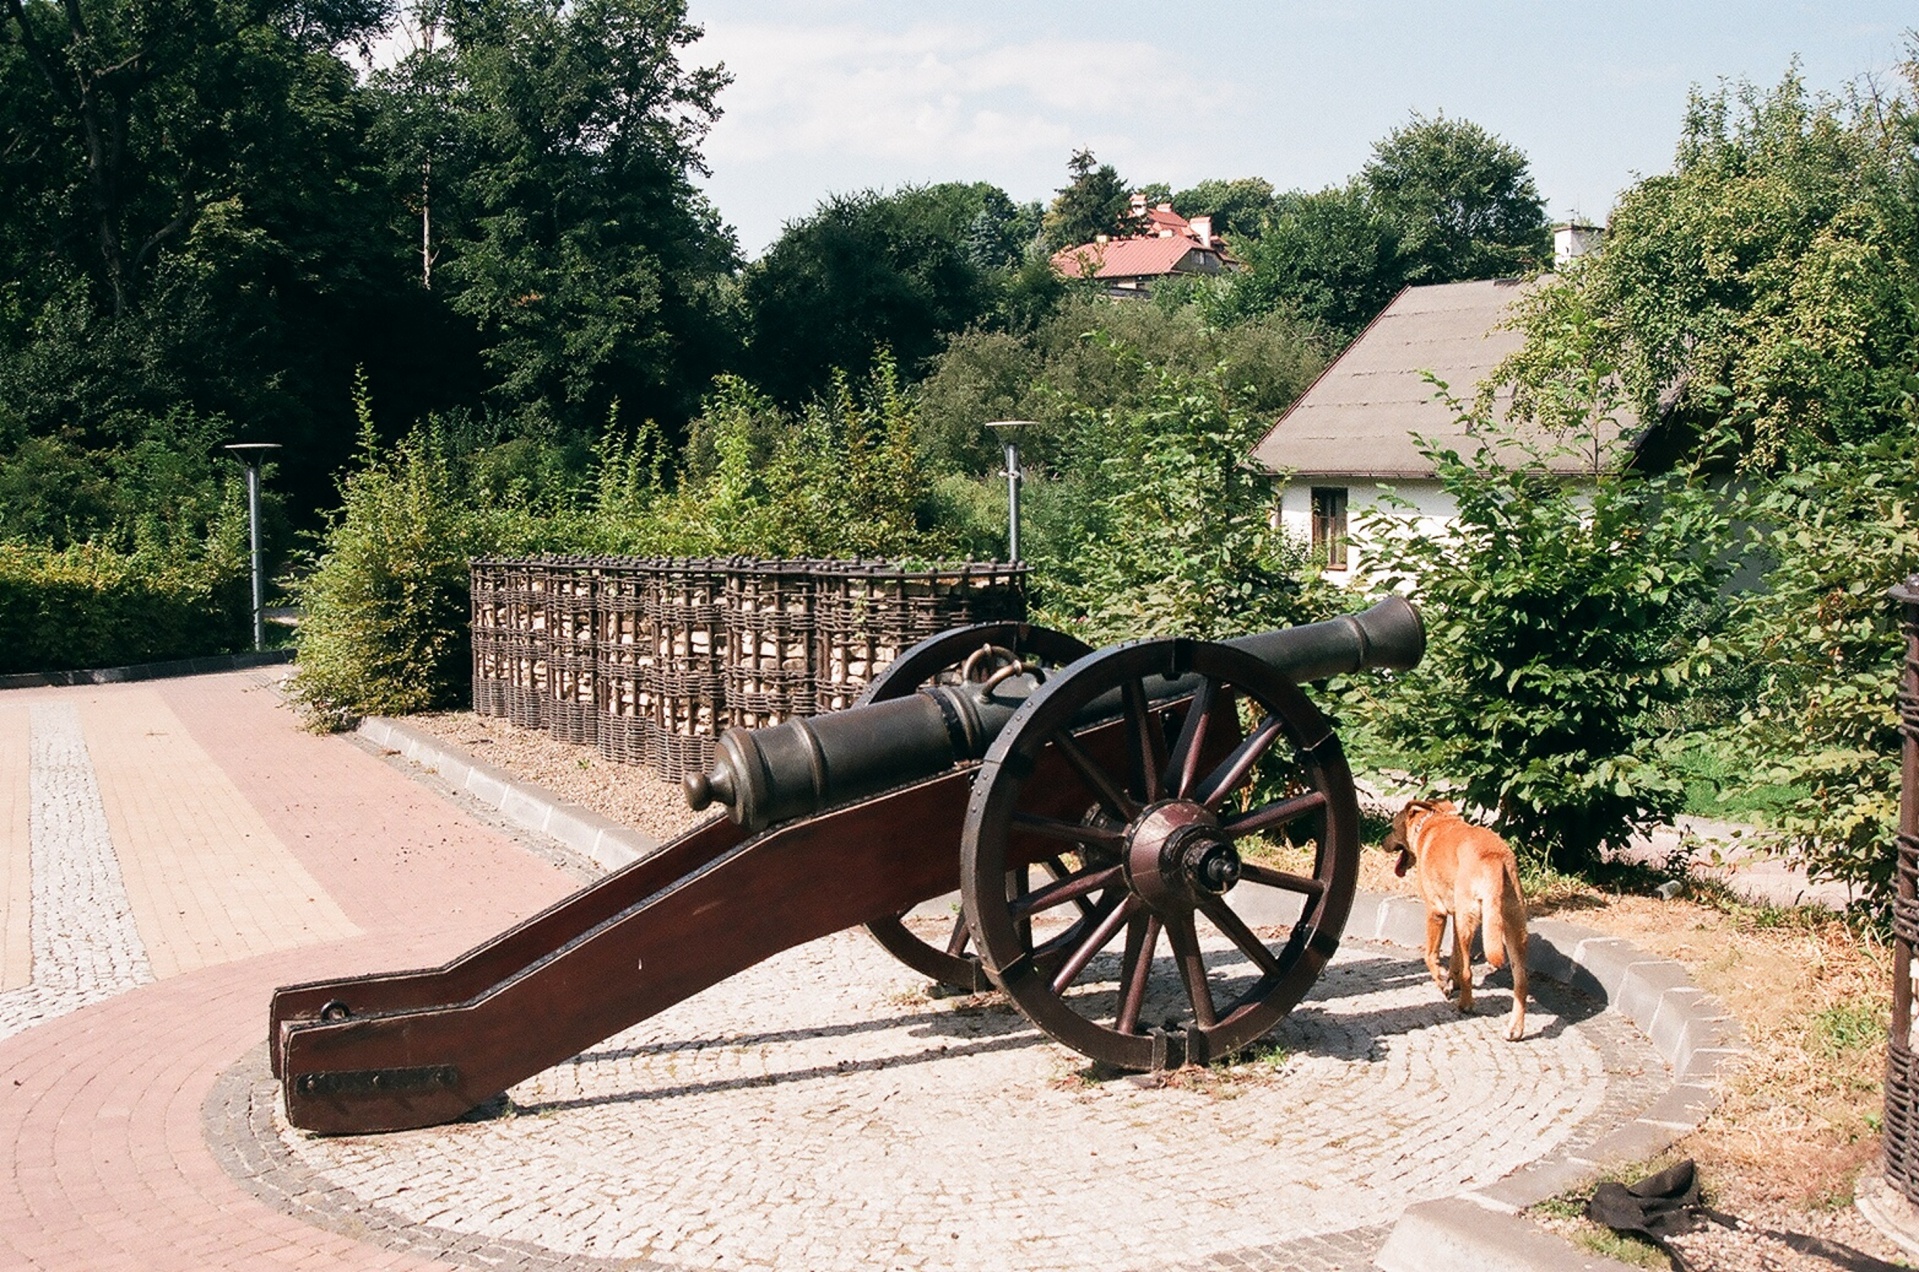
point(1798, 1123)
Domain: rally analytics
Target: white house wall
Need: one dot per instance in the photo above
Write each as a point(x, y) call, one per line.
point(1432, 509)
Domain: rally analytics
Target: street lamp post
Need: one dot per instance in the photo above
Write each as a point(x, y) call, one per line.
point(252, 454)
point(1014, 476)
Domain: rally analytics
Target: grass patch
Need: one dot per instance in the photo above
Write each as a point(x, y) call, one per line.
point(1566, 1216)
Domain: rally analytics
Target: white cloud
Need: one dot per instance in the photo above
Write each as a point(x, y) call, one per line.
point(932, 90)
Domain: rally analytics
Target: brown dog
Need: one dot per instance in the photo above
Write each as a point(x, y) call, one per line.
point(1469, 873)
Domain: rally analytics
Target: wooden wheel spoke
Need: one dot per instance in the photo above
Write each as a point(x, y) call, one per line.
point(1071, 832)
point(1136, 969)
point(1273, 815)
point(1058, 869)
point(956, 943)
point(1074, 887)
point(1145, 742)
point(1183, 766)
point(1233, 769)
point(1304, 884)
point(1239, 934)
point(1095, 942)
point(1097, 780)
point(1192, 968)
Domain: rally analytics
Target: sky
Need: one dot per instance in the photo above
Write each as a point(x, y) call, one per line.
point(835, 96)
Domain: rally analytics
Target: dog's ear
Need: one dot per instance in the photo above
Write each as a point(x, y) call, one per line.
point(1443, 806)
point(1420, 806)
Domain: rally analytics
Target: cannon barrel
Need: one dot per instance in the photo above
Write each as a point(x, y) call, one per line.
point(805, 766)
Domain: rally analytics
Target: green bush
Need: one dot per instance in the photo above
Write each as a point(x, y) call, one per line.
point(386, 606)
point(1560, 620)
point(86, 605)
point(1824, 723)
point(1158, 526)
point(133, 553)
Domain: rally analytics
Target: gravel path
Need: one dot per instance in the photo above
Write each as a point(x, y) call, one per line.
point(633, 796)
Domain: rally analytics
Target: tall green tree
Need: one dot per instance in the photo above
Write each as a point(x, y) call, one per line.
point(590, 263)
point(1094, 201)
point(1766, 282)
point(189, 215)
point(1462, 200)
point(869, 272)
point(1330, 257)
point(1239, 207)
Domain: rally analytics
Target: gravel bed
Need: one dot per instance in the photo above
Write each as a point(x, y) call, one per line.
point(631, 795)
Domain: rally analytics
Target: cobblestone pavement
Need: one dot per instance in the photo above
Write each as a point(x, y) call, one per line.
point(84, 945)
point(820, 1112)
point(175, 850)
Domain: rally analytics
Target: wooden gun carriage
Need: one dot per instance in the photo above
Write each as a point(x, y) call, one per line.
point(1088, 807)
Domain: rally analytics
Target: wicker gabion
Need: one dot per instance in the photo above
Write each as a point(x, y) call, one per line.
point(868, 612)
point(651, 659)
point(491, 670)
point(572, 706)
point(1902, 1066)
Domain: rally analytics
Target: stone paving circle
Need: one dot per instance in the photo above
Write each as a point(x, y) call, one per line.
point(822, 1111)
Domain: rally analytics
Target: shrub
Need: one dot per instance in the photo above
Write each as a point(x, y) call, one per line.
point(1561, 636)
point(91, 606)
point(1158, 526)
point(1840, 532)
point(386, 605)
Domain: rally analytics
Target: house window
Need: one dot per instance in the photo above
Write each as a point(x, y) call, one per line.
point(1329, 525)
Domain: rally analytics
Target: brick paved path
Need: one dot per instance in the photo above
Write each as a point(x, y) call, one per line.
point(818, 1112)
point(257, 855)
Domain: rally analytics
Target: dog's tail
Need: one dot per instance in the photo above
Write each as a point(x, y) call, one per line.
point(1492, 928)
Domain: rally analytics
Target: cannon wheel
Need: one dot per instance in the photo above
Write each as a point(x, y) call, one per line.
point(939, 659)
point(1170, 816)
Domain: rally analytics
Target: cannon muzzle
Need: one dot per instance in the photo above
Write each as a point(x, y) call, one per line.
point(806, 766)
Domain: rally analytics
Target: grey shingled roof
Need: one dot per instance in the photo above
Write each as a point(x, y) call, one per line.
point(1360, 417)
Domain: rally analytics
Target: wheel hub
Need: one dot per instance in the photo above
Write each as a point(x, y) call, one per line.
point(1175, 854)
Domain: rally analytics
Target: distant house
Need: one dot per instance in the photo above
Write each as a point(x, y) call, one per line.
point(1357, 428)
point(1167, 245)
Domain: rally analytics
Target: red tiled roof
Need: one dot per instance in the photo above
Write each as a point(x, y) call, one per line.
point(1125, 257)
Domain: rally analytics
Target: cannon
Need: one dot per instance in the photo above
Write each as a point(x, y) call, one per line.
point(1088, 806)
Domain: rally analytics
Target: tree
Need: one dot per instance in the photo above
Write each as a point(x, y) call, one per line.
point(1329, 257)
point(1095, 202)
point(1239, 207)
point(1766, 282)
point(1462, 200)
point(192, 216)
point(590, 263)
point(864, 273)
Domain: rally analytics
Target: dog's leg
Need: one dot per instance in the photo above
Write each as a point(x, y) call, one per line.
point(1512, 918)
point(1465, 927)
point(1436, 933)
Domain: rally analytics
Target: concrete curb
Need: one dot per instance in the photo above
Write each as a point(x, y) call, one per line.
point(148, 671)
point(607, 843)
point(1689, 1028)
point(1457, 1232)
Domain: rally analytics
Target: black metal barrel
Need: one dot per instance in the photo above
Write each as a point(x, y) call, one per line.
point(806, 766)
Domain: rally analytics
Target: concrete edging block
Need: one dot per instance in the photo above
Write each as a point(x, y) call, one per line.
point(1459, 1233)
point(1644, 987)
point(606, 843)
